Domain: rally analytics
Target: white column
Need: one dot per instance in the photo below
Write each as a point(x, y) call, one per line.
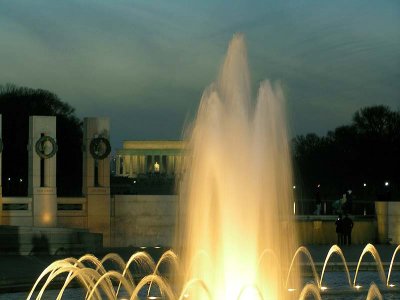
point(118, 166)
point(134, 162)
point(127, 164)
point(142, 164)
point(44, 199)
point(97, 197)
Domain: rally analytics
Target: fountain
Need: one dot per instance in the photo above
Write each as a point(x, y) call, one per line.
point(236, 237)
point(236, 200)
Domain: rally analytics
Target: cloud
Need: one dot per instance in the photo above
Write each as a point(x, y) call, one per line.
point(152, 59)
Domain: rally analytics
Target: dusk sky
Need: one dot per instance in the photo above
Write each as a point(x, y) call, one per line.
point(145, 63)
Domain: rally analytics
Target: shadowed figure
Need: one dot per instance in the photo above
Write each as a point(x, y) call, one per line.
point(347, 228)
point(40, 245)
point(339, 230)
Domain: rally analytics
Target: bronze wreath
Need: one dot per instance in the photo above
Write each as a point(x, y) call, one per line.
point(96, 149)
point(40, 144)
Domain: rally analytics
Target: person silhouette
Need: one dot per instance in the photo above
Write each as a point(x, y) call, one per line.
point(339, 230)
point(347, 228)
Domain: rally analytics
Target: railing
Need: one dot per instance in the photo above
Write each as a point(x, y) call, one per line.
point(309, 207)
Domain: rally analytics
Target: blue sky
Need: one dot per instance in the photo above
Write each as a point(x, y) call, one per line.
point(145, 63)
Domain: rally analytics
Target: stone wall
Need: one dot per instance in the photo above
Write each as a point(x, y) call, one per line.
point(388, 221)
point(143, 220)
point(149, 220)
point(322, 230)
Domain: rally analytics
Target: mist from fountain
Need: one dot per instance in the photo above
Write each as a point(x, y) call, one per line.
point(236, 198)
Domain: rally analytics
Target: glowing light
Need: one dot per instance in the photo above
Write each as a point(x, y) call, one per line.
point(143, 247)
point(157, 247)
point(323, 288)
point(357, 287)
point(318, 186)
point(294, 208)
point(20, 180)
point(46, 218)
point(9, 178)
point(386, 183)
point(291, 290)
point(392, 285)
point(294, 187)
point(364, 184)
point(153, 297)
point(134, 181)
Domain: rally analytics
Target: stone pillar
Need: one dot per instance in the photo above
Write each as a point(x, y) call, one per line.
point(142, 163)
point(118, 166)
point(98, 196)
point(170, 165)
point(127, 165)
point(42, 170)
point(131, 165)
point(393, 223)
point(1, 154)
point(381, 209)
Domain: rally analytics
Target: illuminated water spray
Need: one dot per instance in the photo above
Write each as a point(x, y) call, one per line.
point(236, 199)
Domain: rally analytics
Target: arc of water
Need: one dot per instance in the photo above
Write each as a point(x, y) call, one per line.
point(369, 248)
point(121, 264)
point(391, 265)
point(50, 269)
point(308, 289)
point(373, 292)
point(264, 254)
point(190, 284)
point(167, 256)
point(119, 261)
point(304, 250)
point(95, 261)
point(112, 274)
point(196, 258)
point(275, 262)
point(137, 258)
point(254, 287)
point(86, 276)
point(91, 288)
point(162, 285)
point(332, 250)
point(73, 261)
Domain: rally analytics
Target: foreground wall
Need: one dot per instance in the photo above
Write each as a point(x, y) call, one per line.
point(143, 220)
point(322, 230)
point(149, 220)
point(388, 221)
point(140, 220)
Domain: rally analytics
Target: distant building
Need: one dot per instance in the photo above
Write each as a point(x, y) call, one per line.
point(142, 158)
